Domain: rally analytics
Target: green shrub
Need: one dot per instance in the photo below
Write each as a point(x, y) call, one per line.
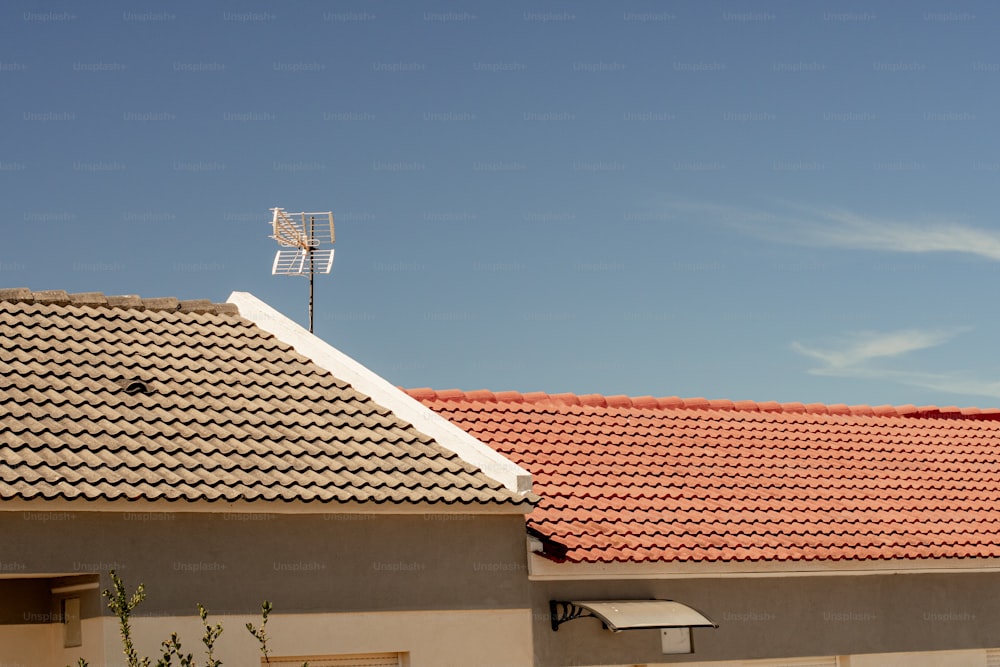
point(122, 604)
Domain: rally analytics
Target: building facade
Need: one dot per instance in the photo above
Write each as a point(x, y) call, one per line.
point(219, 454)
point(811, 535)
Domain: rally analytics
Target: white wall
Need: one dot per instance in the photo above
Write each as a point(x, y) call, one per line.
point(25, 645)
point(41, 645)
point(970, 658)
point(467, 638)
point(931, 659)
point(485, 638)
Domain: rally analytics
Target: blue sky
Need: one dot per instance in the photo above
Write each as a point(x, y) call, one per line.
point(790, 201)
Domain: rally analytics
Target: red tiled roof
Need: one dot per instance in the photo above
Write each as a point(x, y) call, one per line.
point(687, 480)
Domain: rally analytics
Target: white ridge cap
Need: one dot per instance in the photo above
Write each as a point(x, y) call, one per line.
point(446, 434)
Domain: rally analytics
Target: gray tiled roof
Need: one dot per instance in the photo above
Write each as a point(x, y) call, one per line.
point(109, 398)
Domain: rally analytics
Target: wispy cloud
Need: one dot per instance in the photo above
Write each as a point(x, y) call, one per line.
point(861, 355)
point(852, 354)
point(866, 355)
point(950, 383)
point(838, 228)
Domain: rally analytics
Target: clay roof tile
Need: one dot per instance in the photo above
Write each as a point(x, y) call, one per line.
point(667, 479)
point(99, 413)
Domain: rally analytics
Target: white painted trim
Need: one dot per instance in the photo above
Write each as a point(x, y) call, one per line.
point(471, 450)
point(543, 569)
point(75, 589)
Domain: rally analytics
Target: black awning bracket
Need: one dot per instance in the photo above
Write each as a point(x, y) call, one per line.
point(618, 615)
point(563, 612)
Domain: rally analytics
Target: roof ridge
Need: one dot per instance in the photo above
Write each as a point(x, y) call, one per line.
point(129, 301)
point(698, 403)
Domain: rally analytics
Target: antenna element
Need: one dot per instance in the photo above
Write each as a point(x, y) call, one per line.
point(304, 234)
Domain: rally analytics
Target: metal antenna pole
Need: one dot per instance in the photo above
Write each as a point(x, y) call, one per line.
point(312, 267)
point(292, 230)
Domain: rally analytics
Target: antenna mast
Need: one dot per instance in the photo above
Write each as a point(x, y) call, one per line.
point(304, 238)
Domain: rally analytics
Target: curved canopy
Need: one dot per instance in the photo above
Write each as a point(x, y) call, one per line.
point(620, 615)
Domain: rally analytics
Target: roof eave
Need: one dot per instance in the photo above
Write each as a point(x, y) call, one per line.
point(541, 568)
point(52, 509)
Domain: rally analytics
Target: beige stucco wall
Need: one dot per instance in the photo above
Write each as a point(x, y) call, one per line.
point(301, 563)
point(41, 645)
point(428, 639)
point(483, 638)
point(779, 617)
point(974, 658)
point(26, 645)
point(406, 581)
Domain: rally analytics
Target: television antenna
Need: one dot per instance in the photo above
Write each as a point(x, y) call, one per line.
point(303, 234)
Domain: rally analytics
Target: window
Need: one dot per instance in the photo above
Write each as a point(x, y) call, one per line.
point(72, 634)
point(355, 660)
point(795, 662)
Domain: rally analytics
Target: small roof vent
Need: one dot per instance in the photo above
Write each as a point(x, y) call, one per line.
point(134, 386)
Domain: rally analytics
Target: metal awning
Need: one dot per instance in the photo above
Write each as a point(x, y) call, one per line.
point(618, 615)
